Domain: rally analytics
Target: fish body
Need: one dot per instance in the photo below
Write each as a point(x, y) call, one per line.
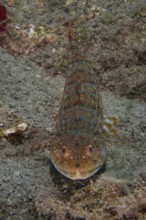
point(78, 149)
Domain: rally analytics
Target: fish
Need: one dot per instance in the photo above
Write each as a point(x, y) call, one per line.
point(78, 148)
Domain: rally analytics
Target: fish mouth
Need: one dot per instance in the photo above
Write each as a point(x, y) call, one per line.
point(78, 173)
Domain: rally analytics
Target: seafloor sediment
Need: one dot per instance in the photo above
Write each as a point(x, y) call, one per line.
point(33, 65)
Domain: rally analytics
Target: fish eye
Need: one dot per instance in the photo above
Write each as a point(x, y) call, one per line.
point(63, 150)
point(90, 148)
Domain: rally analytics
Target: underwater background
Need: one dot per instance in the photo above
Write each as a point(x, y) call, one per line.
point(33, 67)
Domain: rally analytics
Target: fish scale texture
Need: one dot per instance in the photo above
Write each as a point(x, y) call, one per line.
point(81, 108)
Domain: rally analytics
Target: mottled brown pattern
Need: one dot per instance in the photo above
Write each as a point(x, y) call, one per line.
point(78, 150)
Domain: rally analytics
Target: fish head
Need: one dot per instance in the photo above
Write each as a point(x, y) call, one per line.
point(77, 158)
